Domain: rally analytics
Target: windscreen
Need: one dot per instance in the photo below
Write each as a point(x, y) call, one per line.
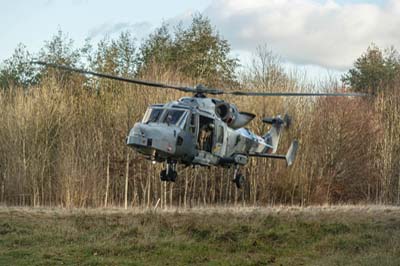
point(152, 115)
point(172, 116)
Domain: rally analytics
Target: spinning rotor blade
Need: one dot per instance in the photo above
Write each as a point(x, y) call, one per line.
point(198, 90)
point(107, 76)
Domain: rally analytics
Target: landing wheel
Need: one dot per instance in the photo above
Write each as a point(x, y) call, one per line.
point(169, 174)
point(163, 175)
point(172, 176)
point(239, 180)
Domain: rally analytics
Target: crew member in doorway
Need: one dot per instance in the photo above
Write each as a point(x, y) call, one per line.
point(205, 137)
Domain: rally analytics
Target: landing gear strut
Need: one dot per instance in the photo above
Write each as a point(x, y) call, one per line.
point(169, 174)
point(238, 178)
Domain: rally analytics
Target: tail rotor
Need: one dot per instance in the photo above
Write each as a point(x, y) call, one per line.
point(274, 134)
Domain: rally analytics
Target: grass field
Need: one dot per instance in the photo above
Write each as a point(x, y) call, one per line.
point(346, 235)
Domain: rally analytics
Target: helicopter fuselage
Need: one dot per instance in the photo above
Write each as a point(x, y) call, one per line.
point(190, 131)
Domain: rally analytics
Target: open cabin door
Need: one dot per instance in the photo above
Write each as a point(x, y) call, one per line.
point(206, 134)
point(206, 141)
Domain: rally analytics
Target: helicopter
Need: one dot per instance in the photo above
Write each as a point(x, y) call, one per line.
point(203, 131)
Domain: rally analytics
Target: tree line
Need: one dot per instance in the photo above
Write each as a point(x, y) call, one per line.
point(62, 135)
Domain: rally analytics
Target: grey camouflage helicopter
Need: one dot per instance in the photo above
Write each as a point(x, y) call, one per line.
point(203, 131)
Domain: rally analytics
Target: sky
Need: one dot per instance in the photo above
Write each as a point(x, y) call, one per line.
point(323, 36)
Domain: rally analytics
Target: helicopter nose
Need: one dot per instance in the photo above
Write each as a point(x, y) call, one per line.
point(153, 137)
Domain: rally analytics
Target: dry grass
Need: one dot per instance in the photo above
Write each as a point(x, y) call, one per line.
point(361, 211)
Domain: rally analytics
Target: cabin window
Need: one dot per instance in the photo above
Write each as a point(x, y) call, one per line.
point(152, 115)
point(172, 116)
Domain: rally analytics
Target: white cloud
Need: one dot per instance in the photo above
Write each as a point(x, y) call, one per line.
point(323, 33)
point(140, 30)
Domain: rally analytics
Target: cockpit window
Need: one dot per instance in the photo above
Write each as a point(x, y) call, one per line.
point(152, 115)
point(172, 116)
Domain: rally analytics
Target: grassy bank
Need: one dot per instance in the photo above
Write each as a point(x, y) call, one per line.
point(347, 235)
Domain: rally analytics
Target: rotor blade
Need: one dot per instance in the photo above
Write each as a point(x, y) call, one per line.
point(250, 93)
point(107, 76)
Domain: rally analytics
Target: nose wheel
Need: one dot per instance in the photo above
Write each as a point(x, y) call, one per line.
point(169, 174)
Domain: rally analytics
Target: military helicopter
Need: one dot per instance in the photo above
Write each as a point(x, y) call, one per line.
point(203, 131)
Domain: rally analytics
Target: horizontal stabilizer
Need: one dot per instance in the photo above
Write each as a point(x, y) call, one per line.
point(278, 120)
point(289, 157)
point(273, 120)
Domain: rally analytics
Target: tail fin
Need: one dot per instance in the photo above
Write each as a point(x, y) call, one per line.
point(291, 154)
point(274, 134)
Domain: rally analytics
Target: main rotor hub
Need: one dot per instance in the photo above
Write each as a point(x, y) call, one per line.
point(200, 88)
point(201, 91)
